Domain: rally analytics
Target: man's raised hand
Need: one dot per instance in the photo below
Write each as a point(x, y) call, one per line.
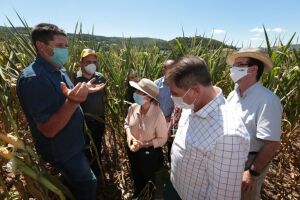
point(94, 87)
point(77, 94)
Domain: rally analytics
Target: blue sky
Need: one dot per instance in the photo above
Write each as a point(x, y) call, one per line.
point(237, 21)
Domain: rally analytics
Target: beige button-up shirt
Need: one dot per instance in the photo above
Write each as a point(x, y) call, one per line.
point(151, 126)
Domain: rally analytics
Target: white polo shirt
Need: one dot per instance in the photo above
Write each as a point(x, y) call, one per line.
point(261, 112)
point(209, 152)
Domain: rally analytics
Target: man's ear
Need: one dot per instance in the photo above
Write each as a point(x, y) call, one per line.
point(41, 47)
point(196, 88)
point(80, 63)
point(253, 69)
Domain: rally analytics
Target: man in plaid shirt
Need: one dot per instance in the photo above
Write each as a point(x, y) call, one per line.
point(211, 144)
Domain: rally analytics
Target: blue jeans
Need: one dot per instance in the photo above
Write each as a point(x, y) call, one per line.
point(79, 177)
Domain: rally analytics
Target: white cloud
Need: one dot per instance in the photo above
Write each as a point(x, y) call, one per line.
point(256, 39)
point(218, 31)
point(278, 30)
point(257, 35)
point(259, 30)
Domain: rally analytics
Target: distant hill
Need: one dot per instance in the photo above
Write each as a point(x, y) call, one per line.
point(295, 46)
point(141, 42)
point(194, 41)
point(4, 32)
point(135, 41)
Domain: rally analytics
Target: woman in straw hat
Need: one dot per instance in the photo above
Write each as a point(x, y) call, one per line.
point(146, 130)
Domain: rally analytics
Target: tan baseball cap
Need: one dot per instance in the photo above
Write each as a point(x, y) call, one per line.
point(86, 52)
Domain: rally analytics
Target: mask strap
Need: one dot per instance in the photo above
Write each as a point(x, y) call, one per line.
point(186, 92)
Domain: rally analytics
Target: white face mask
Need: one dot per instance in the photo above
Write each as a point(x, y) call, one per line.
point(90, 69)
point(179, 102)
point(236, 73)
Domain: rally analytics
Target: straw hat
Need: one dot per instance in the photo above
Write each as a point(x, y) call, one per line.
point(147, 86)
point(256, 53)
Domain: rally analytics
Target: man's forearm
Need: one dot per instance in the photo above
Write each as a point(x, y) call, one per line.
point(58, 120)
point(265, 155)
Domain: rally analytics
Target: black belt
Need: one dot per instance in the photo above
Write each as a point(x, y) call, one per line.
point(252, 153)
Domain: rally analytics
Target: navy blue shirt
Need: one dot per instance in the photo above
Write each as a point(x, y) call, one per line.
point(40, 96)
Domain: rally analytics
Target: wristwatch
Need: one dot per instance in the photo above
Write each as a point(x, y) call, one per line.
point(253, 172)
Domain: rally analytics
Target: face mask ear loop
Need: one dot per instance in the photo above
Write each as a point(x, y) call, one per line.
point(197, 98)
point(186, 93)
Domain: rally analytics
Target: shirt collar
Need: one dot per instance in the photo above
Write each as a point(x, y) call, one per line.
point(149, 111)
point(248, 91)
point(212, 105)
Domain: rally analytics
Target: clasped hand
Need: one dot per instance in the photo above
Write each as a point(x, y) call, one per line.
point(135, 145)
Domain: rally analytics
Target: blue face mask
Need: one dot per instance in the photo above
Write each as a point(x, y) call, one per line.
point(60, 56)
point(138, 99)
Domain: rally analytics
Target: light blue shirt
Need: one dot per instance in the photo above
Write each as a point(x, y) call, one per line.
point(164, 98)
point(261, 112)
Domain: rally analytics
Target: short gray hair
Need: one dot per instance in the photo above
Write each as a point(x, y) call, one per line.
point(188, 71)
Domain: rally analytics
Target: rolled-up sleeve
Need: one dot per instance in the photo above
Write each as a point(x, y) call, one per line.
point(126, 123)
point(161, 131)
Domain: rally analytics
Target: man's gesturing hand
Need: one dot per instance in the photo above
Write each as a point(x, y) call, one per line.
point(94, 87)
point(77, 94)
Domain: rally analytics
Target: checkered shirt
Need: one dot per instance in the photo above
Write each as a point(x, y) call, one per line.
point(209, 152)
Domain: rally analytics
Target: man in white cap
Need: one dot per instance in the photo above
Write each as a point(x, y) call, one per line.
point(261, 112)
point(94, 106)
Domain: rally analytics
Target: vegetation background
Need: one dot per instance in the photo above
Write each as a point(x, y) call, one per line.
point(23, 174)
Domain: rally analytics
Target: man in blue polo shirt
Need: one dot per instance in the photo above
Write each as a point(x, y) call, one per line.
point(52, 107)
point(166, 103)
point(164, 98)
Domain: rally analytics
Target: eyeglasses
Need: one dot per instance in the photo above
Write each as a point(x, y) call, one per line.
point(90, 62)
point(241, 65)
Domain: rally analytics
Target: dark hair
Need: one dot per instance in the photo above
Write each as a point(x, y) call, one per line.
point(44, 32)
point(154, 101)
point(188, 71)
point(260, 67)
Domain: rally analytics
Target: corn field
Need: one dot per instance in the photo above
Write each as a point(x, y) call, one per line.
point(23, 174)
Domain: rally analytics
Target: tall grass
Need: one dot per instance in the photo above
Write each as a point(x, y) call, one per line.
point(115, 63)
